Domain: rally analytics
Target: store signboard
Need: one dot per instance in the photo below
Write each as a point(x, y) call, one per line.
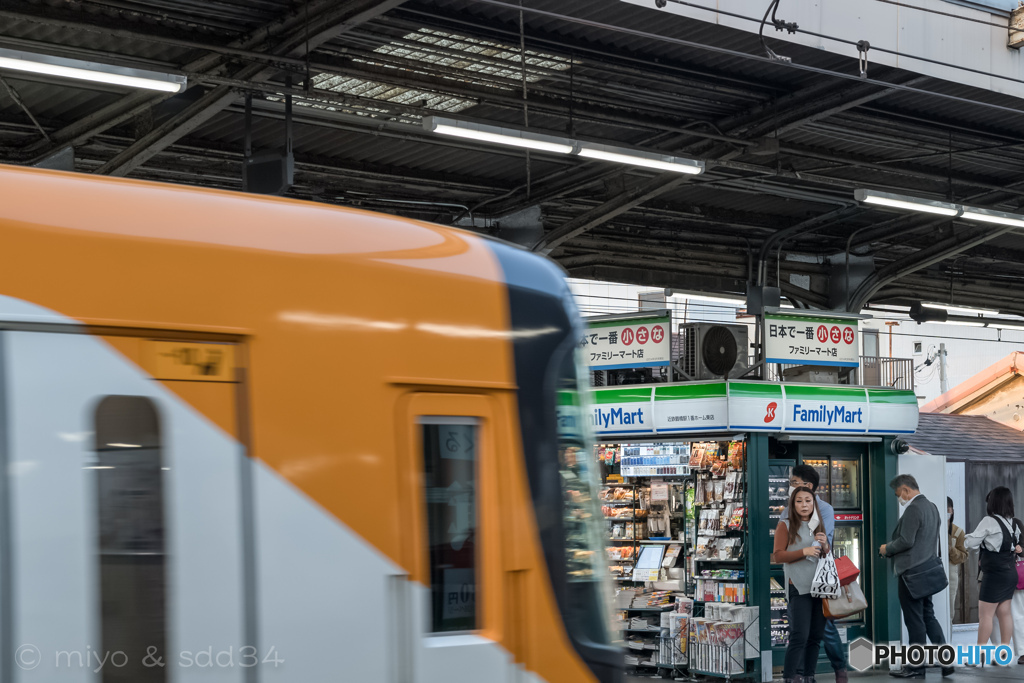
point(757, 406)
point(691, 407)
point(570, 425)
point(750, 406)
point(830, 409)
point(892, 411)
point(623, 410)
point(628, 343)
point(858, 517)
point(805, 339)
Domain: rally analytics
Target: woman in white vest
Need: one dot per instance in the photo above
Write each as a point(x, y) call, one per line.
point(799, 541)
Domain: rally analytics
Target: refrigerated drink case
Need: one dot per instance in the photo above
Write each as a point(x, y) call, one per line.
point(839, 483)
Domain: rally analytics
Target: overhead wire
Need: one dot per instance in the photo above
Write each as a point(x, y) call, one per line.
point(846, 41)
point(602, 308)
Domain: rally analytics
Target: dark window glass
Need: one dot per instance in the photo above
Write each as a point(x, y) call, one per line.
point(449, 461)
point(132, 559)
point(587, 600)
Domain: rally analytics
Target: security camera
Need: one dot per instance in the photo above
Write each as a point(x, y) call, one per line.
point(899, 446)
point(660, 3)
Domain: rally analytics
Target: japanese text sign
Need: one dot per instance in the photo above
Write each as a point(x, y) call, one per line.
point(801, 339)
point(614, 344)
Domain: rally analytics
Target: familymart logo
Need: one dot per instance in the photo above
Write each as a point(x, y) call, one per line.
point(864, 654)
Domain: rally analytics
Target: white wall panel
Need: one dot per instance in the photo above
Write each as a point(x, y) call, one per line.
point(908, 32)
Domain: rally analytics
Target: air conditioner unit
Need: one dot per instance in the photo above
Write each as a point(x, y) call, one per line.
point(712, 350)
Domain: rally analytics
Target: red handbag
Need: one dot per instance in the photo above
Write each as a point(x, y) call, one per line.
point(848, 573)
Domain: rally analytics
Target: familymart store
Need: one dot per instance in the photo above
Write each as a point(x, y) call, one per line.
point(745, 437)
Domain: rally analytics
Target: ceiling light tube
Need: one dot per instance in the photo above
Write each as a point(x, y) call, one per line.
point(961, 309)
point(899, 201)
point(1004, 326)
point(963, 323)
point(632, 157)
point(498, 135)
point(998, 217)
point(48, 65)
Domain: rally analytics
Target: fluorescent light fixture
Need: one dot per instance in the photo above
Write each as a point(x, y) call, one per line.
point(960, 309)
point(498, 135)
point(48, 65)
point(632, 157)
point(515, 137)
point(998, 217)
point(899, 201)
point(1004, 326)
point(962, 323)
point(124, 445)
point(98, 467)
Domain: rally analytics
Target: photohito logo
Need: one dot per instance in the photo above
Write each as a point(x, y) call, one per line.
point(864, 654)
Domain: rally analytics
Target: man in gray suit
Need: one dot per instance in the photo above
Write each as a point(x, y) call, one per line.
point(914, 541)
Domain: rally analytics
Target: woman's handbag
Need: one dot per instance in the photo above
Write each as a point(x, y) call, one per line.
point(848, 572)
point(825, 583)
point(850, 601)
point(1020, 574)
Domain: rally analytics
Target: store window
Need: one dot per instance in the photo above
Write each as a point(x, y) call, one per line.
point(128, 474)
point(450, 467)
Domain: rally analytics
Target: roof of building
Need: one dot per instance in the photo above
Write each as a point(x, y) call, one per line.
point(979, 386)
point(967, 437)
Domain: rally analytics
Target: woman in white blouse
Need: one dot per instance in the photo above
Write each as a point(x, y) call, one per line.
point(999, 542)
point(1017, 609)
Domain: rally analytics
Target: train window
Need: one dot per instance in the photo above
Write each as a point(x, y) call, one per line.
point(581, 513)
point(132, 559)
point(450, 465)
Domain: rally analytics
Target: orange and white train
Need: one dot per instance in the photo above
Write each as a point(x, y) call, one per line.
point(248, 440)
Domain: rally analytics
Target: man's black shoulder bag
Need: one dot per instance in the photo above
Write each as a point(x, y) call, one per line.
point(929, 577)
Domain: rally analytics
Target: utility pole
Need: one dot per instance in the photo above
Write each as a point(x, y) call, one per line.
point(943, 385)
point(890, 325)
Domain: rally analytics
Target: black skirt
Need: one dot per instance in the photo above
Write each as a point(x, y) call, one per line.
point(998, 583)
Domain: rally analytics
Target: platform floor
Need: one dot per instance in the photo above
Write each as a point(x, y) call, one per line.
point(962, 675)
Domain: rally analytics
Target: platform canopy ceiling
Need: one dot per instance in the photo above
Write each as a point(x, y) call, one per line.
point(785, 144)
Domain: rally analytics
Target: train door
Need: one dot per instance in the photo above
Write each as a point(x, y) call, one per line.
point(460, 554)
point(123, 525)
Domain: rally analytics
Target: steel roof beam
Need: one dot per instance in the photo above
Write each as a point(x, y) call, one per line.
point(78, 21)
point(131, 105)
point(919, 260)
point(330, 23)
point(807, 103)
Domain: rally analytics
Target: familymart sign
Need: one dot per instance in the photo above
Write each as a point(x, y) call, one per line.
point(752, 406)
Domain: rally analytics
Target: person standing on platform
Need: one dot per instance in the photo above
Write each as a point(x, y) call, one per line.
point(957, 556)
point(999, 541)
point(915, 540)
point(1017, 610)
point(807, 476)
point(799, 541)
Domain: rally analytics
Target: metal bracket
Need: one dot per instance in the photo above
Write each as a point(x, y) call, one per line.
point(677, 367)
point(753, 367)
point(862, 57)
